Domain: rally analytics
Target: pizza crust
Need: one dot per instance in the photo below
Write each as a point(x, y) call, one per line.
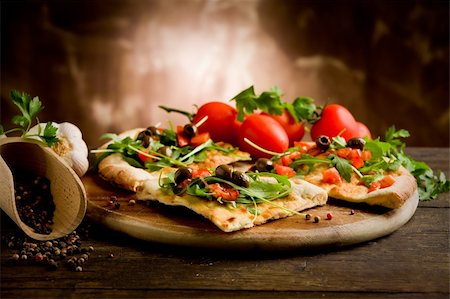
point(303, 196)
point(391, 197)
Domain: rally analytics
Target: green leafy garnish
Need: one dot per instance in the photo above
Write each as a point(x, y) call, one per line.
point(30, 108)
point(247, 102)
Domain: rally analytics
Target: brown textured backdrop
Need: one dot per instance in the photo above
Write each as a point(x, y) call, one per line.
point(106, 65)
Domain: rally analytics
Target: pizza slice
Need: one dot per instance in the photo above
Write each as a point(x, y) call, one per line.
point(230, 199)
point(360, 170)
point(127, 159)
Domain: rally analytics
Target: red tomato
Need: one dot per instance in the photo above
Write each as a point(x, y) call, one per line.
point(295, 130)
point(265, 132)
point(331, 176)
point(200, 139)
point(363, 130)
point(335, 119)
point(182, 139)
point(224, 192)
point(144, 158)
point(284, 170)
point(221, 124)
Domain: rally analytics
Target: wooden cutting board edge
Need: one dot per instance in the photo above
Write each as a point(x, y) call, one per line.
point(258, 238)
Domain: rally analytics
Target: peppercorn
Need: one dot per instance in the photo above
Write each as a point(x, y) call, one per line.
point(329, 216)
point(131, 202)
point(308, 216)
point(316, 219)
point(352, 212)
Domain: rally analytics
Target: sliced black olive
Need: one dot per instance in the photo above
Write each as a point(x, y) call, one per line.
point(323, 142)
point(146, 141)
point(356, 143)
point(264, 165)
point(165, 150)
point(240, 179)
point(141, 135)
point(177, 190)
point(182, 173)
point(224, 172)
point(152, 130)
point(190, 130)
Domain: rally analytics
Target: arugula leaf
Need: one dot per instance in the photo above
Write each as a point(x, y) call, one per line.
point(343, 166)
point(304, 108)
point(270, 101)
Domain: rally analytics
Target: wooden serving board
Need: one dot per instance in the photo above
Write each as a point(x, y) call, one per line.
point(152, 221)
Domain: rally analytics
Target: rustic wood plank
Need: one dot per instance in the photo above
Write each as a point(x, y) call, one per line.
point(413, 259)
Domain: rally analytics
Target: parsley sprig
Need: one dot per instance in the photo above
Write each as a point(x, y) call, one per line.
point(30, 108)
point(301, 109)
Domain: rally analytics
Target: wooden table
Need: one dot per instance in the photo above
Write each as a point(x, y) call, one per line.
point(412, 262)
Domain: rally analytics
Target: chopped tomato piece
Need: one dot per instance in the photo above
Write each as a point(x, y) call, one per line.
point(199, 173)
point(144, 157)
point(331, 176)
point(200, 139)
point(182, 139)
point(286, 160)
point(284, 170)
point(224, 192)
point(304, 147)
point(374, 186)
point(358, 163)
point(366, 155)
point(387, 181)
point(344, 152)
point(354, 154)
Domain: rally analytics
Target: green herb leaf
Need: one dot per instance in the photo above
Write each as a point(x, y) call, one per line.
point(49, 135)
point(245, 102)
point(343, 166)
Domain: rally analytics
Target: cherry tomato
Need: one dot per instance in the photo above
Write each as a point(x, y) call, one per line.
point(335, 120)
point(295, 130)
point(363, 130)
point(221, 123)
point(265, 132)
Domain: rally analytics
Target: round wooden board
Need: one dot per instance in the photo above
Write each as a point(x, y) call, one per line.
point(151, 221)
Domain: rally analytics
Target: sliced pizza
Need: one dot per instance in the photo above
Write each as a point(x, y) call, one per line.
point(360, 170)
point(233, 202)
point(128, 158)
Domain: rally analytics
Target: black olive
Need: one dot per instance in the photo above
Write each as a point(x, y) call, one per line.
point(190, 130)
point(165, 150)
point(224, 172)
point(356, 143)
point(264, 165)
point(323, 142)
point(141, 135)
point(182, 173)
point(240, 179)
point(152, 130)
point(146, 141)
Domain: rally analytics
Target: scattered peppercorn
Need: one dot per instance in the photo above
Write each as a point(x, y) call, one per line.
point(352, 212)
point(49, 253)
point(308, 216)
point(316, 219)
point(329, 216)
point(131, 202)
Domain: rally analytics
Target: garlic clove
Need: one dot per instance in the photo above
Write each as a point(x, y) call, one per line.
point(71, 146)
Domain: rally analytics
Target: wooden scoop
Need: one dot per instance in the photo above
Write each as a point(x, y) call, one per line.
point(68, 192)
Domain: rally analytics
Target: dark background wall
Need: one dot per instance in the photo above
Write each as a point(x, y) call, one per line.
point(106, 65)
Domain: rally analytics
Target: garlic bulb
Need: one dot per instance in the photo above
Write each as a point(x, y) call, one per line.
point(71, 146)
